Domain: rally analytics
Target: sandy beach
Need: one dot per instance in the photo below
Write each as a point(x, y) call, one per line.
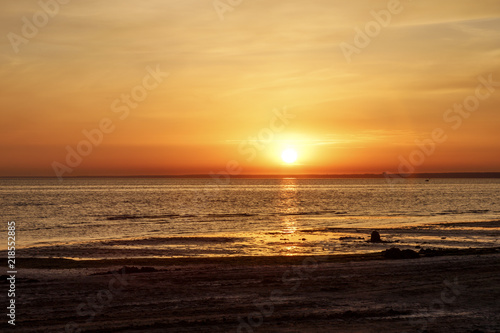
point(447, 291)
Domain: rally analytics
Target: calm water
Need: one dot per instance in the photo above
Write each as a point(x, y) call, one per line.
point(123, 217)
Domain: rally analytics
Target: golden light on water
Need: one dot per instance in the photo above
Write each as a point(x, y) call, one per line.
point(288, 205)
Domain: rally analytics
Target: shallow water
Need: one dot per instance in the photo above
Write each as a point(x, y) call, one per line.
point(130, 217)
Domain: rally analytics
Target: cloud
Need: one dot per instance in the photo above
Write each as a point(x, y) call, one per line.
point(227, 76)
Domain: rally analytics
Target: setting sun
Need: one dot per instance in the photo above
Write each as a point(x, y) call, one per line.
point(289, 155)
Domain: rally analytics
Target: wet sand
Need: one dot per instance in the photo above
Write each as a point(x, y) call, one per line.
point(445, 291)
point(341, 240)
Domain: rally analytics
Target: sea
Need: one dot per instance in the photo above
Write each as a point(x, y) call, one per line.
point(92, 218)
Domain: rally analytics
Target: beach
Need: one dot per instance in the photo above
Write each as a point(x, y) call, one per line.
point(447, 291)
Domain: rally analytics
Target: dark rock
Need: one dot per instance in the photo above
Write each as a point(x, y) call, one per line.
point(392, 253)
point(409, 254)
point(395, 253)
point(349, 238)
point(375, 237)
point(429, 252)
point(130, 270)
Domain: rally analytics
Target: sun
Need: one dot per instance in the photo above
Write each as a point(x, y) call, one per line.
point(289, 155)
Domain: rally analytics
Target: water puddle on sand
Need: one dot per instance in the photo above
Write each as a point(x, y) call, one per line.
point(288, 241)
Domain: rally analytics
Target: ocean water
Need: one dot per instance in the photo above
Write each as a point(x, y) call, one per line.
point(173, 217)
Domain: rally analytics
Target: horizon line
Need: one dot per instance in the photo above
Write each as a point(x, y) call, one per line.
point(468, 174)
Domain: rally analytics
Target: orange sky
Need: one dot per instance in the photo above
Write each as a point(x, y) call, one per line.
point(271, 75)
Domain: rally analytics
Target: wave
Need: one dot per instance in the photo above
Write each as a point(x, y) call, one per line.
point(30, 203)
point(219, 215)
point(137, 217)
point(459, 212)
point(174, 240)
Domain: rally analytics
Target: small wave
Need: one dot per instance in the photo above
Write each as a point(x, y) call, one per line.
point(459, 212)
point(319, 212)
point(480, 224)
point(231, 215)
point(171, 240)
point(25, 204)
point(138, 217)
point(220, 215)
point(49, 227)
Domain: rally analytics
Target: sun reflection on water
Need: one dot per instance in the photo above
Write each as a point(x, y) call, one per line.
point(288, 205)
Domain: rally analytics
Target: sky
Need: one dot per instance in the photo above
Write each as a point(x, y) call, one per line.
point(155, 87)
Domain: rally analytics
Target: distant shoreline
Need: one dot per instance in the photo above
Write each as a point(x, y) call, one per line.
point(446, 175)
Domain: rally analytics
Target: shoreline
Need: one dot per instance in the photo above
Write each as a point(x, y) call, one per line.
point(334, 240)
point(66, 263)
